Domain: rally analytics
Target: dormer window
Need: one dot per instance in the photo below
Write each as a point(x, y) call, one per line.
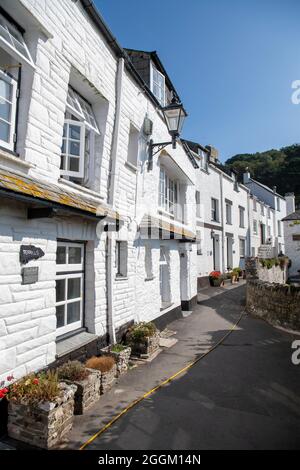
point(157, 85)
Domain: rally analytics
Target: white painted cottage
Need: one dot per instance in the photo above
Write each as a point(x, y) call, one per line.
point(99, 214)
point(78, 195)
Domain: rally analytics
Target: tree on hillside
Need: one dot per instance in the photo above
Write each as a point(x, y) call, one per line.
point(280, 168)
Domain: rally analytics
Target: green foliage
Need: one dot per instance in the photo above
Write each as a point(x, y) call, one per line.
point(280, 168)
point(270, 262)
point(72, 370)
point(140, 331)
point(35, 388)
point(118, 348)
point(237, 271)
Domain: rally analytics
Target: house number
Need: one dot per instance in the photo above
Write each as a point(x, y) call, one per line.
point(29, 253)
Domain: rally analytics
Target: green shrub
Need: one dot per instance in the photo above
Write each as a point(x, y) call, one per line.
point(140, 331)
point(118, 348)
point(73, 371)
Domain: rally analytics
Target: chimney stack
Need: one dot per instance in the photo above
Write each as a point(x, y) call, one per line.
point(246, 176)
point(290, 203)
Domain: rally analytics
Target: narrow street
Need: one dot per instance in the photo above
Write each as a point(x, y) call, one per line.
point(242, 395)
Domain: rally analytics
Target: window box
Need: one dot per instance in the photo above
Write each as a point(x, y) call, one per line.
point(44, 424)
point(86, 380)
point(121, 355)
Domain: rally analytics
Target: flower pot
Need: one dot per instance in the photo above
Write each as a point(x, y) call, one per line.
point(121, 358)
point(108, 379)
point(88, 391)
point(43, 424)
point(146, 347)
point(217, 282)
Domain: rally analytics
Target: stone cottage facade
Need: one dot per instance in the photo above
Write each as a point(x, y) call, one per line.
point(292, 243)
point(96, 233)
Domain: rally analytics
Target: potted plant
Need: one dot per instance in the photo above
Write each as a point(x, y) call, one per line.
point(216, 279)
point(121, 354)
point(107, 366)
point(40, 409)
point(87, 381)
point(143, 339)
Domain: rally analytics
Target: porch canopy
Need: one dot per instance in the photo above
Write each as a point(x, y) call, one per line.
point(156, 228)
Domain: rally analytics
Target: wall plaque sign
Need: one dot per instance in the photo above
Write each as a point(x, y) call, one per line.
point(29, 253)
point(30, 275)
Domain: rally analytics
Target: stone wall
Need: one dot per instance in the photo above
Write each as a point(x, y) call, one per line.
point(276, 303)
point(276, 274)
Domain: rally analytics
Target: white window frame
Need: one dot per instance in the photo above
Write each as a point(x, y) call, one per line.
point(198, 204)
point(67, 155)
point(71, 271)
point(199, 243)
point(12, 122)
point(279, 229)
point(214, 210)
point(228, 212)
point(255, 227)
point(80, 109)
point(168, 193)
point(242, 243)
point(242, 217)
point(160, 99)
point(121, 259)
point(13, 37)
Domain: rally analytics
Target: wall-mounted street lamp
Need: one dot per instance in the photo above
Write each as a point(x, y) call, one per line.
point(174, 115)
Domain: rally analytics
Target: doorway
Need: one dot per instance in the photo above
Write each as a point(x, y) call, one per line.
point(229, 244)
point(216, 252)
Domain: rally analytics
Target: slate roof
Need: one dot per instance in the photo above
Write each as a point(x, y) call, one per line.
point(294, 216)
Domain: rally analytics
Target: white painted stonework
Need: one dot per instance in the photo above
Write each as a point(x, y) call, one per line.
point(159, 275)
point(292, 244)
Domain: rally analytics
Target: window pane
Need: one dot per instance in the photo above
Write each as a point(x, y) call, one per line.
point(73, 312)
point(74, 288)
point(74, 164)
point(60, 290)
point(62, 163)
point(5, 90)
point(60, 316)
point(75, 255)
point(64, 146)
point(4, 131)
point(65, 130)
point(61, 255)
point(74, 132)
point(74, 148)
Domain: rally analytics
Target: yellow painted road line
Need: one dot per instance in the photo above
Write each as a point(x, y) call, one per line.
point(162, 384)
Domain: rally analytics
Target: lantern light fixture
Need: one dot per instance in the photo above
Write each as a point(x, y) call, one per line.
point(174, 116)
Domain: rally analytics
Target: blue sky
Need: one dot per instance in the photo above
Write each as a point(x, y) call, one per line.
point(231, 61)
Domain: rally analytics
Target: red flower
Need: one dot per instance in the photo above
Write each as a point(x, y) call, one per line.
point(35, 381)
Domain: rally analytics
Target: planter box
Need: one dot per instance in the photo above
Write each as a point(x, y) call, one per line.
point(216, 282)
point(88, 391)
point(108, 379)
point(147, 347)
point(121, 358)
point(44, 424)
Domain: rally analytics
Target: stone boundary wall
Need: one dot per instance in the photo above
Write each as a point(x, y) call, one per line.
point(276, 303)
point(276, 274)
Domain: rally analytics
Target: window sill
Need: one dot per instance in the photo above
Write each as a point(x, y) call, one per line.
point(165, 213)
point(147, 279)
point(121, 278)
point(80, 188)
point(68, 343)
point(14, 157)
point(131, 167)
